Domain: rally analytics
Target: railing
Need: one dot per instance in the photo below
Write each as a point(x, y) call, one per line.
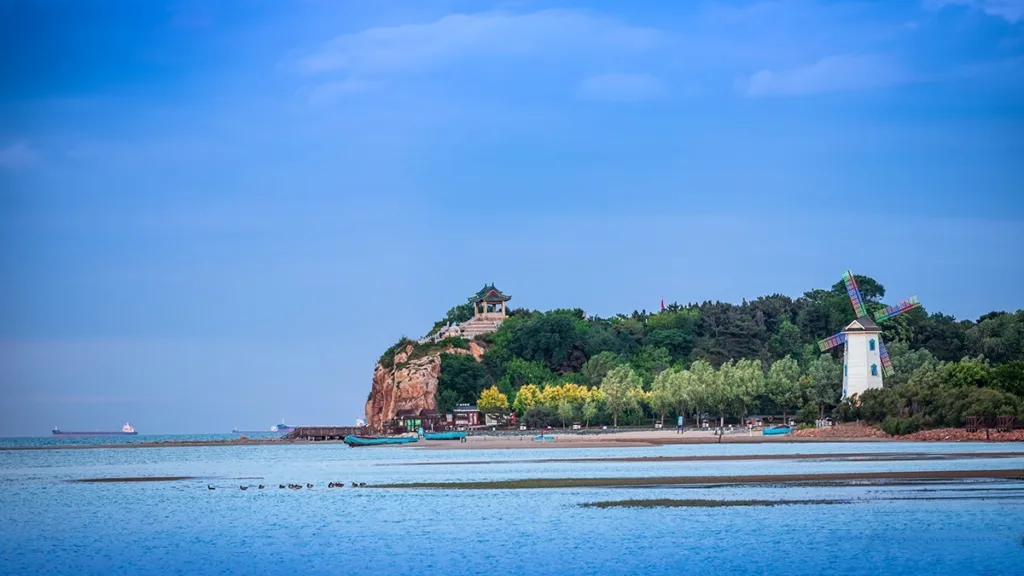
point(320, 433)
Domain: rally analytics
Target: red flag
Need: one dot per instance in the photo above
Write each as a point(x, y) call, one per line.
point(662, 302)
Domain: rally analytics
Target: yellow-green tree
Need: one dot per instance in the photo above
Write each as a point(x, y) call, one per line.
point(492, 401)
point(620, 387)
point(527, 397)
point(662, 392)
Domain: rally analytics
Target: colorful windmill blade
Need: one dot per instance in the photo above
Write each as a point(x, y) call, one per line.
point(886, 363)
point(832, 341)
point(854, 292)
point(900, 307)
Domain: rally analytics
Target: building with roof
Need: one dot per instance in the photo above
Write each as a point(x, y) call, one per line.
point(862, 362)
point(489, 311)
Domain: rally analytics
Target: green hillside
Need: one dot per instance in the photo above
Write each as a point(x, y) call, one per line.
point(731, 360)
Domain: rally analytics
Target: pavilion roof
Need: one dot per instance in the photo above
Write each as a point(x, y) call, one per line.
point(489, 294)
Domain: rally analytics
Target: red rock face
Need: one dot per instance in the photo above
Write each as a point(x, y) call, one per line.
point(408, 385)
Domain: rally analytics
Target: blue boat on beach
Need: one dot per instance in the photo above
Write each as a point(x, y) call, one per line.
point(453, 435)
point(543, 438)
point(777, 430)
point(355, 441)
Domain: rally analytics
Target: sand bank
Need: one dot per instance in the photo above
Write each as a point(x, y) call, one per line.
point(859, 456)
point(916, 475)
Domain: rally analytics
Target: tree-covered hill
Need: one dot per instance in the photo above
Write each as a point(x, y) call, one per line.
point(747, 354)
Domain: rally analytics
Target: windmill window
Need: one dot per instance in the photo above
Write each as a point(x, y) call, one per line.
point(846, 369)
point(874, 369)
point(871, 344)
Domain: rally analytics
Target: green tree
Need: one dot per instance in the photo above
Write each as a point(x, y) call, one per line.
point(703, 378)
point(747, 385)
point(905, 361)
point(595, 369)
point(589, 411)
point(783, 385)
point(664, 391)
point(551, 338)
point(788, 341)
point(649, 362)
point(967, 372)
point(519, 372)
point(826, 382)
point(719, 392)
point(1009, 377)
point(619, 387)
point(462, 374)
point(446, 401)
point(566, 412)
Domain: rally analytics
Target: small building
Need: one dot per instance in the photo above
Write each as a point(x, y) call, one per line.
point(489, 312)
point(410, 420)
point(466, 415)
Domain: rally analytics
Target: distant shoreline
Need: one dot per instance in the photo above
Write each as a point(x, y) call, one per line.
point(563, 439)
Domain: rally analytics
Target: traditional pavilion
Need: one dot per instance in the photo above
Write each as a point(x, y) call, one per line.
point(489, 303)
point(489, 312)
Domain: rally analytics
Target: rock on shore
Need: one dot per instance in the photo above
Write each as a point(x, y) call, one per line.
point(408, 384)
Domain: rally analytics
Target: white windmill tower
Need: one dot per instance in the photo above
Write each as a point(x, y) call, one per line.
point(865, 358)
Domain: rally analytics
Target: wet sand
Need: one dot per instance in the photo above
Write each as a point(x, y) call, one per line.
point(700, 503)
point(862, 456)
point(132, 479)
point(1017, 474)
point(153, 479)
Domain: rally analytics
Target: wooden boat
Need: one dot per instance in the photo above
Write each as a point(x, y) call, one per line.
point(777, 430)
point(355, 441)
point(453, 435)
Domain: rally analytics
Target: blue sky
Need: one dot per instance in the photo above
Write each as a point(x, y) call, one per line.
point(220, 213)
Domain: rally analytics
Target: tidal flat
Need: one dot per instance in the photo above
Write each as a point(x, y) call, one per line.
point(533, 483)
point(51, 523)
point(702, 503)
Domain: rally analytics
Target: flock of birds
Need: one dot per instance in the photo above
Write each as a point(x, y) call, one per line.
point(295, 486)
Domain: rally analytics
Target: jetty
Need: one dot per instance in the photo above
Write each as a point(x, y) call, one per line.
point(323, 433)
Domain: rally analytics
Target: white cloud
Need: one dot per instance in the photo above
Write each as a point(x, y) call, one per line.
point(622, 87)
point(17, 156)
point(833, 74)
point(1010, 10)
point(414, 47)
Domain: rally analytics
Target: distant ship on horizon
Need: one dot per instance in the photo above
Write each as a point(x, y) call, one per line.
point(126, 430)
point(281, 428)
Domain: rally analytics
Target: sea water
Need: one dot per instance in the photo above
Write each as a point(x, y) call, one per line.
point(49, 525)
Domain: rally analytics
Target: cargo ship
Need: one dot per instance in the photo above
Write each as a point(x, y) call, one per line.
point(281, 428)
point(126, 430)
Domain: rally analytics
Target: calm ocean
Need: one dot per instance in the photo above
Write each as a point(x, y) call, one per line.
point(50, 526)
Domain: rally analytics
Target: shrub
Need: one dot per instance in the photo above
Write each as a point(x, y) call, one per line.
point(387, 359)
point(900, 426)
point(540, 417)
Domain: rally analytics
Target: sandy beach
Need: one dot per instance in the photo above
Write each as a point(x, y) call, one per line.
point(630, 439)
point(595, 439)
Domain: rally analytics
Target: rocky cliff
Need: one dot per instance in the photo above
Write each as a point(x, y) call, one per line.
point(408, 384)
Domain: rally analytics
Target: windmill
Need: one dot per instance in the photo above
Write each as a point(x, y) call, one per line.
point(864, 348)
